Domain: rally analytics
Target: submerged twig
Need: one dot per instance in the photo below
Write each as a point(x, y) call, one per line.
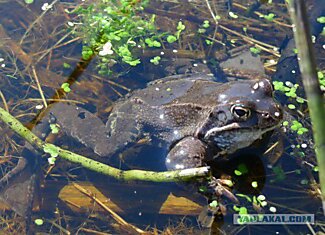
point(127, 226)
point(39, 87)
point(4, 101)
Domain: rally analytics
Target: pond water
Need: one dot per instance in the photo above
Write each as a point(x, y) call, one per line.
point(91, 53)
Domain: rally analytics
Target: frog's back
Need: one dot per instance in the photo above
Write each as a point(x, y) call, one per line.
point(166, 90)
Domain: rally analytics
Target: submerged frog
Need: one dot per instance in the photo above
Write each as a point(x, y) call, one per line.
point(195, 119)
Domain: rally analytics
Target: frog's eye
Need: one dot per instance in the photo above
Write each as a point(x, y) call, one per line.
point(240, 112)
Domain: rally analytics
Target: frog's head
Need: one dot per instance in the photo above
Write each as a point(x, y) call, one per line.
point(244, 111)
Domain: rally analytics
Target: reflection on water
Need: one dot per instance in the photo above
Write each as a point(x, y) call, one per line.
point(40, 50)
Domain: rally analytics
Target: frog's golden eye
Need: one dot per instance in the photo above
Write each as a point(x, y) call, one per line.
point(240, 112)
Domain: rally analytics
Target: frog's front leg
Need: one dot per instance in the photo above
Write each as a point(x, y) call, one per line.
point(191, 152)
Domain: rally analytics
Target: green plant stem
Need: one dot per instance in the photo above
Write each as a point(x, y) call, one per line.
point(167, 176)
point(314, 95)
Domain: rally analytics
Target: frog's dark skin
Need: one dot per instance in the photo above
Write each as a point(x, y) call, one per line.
point(222, 118)
point(195, 119)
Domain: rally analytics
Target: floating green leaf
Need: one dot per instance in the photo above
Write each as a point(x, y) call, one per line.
point(206, 24)
point(269, 17)
point(243, 211)
point(200, 30)
point(180, 26)
point(254, 184)
point(66, 87)
point(66, 65)
point(155, 60)
point(321, 19)
point(214, 203)
point(278, 86)
point(208, 42)
point(302, 130)
point(255, 50)
point(38, 222)
point(152, 43)
point(300, 100)
point(51, 149)
point(237, 172)
point(171, 39)
point(54, 128)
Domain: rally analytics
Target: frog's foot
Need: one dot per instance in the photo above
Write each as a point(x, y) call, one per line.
point(216, 191)
point(219, 187)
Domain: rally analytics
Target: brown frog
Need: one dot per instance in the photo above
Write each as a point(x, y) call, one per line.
point(195, 119)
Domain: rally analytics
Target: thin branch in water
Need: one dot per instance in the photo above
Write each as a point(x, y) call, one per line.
point(4, 101)
point(39, 87)
point(115, 216)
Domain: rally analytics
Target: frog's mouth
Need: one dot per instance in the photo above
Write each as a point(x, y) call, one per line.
point(215, 131)
point(232, 137)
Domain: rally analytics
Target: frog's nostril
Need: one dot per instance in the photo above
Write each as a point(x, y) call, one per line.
point(82, 115)
point(265, 115)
